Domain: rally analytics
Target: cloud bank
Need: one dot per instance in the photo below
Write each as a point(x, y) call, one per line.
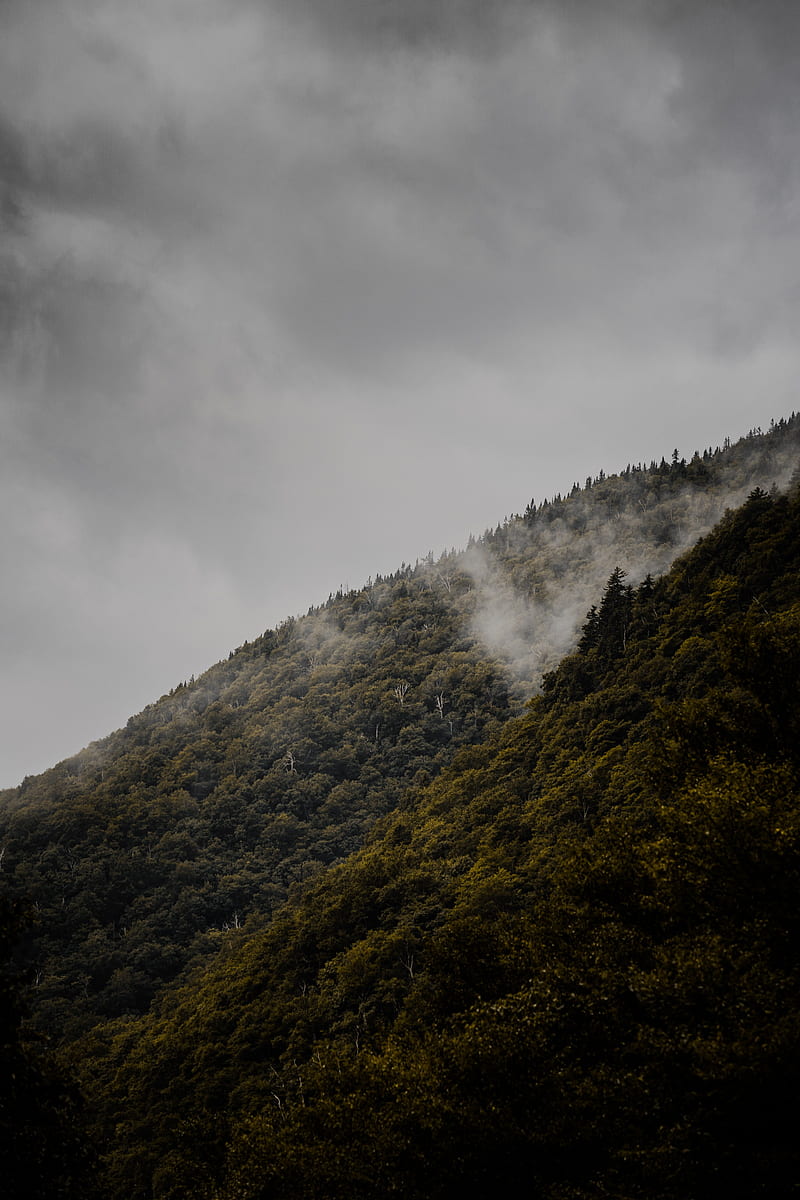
point(289, 293)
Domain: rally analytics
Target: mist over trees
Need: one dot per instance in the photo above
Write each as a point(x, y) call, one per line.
point(480, 875)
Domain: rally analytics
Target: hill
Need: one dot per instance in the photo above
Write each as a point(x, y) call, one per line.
point(232, 1041)
point(567, 966)
point(143, 849)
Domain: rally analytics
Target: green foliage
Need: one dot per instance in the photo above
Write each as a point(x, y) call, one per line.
point(144, 850)
point(338, 919)
point(568, 966)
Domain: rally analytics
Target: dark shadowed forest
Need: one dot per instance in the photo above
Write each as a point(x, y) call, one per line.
point(482, 877)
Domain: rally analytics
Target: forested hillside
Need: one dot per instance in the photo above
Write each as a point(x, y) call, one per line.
point(568, 967)
point(565, 958)
point(142, 850)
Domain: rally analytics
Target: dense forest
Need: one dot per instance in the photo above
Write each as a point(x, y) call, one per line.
point(482, 875)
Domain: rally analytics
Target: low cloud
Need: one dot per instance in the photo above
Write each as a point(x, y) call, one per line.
point(533, 594)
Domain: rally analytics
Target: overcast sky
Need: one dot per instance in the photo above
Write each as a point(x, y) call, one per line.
point(294, 290)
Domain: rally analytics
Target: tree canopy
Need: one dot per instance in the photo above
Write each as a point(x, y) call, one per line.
point(344, 918)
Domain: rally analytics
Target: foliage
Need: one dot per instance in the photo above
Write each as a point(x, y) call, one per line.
point(145, 849)
point(569, 965)
point(44, 1154)
point(339, 919)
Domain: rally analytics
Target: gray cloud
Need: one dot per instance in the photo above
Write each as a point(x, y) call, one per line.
point(291, 293)
point(440, 25)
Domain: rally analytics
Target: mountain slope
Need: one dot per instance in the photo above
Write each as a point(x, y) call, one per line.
point(141, 850)
point(568, 965)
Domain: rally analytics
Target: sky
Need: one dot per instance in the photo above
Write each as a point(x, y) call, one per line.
point(293, 291)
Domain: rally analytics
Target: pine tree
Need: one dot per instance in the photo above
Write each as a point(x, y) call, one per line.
point(613, 617)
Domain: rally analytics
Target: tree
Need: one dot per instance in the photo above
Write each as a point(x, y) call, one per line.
point(590, 631)
point(42, 1153)
point(613, 617)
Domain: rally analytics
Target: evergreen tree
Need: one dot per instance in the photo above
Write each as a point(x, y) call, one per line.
point(613, 617)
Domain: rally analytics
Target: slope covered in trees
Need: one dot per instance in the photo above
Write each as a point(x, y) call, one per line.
point(141, 851)
point(542, 965)
point(568, 966)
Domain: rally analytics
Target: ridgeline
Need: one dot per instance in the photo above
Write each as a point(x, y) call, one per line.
point(348, 917)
